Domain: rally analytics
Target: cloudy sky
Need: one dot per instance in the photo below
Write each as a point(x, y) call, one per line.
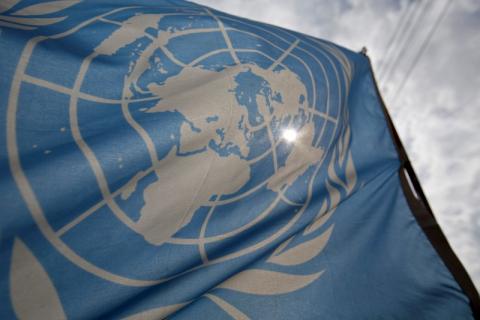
point(437, 112)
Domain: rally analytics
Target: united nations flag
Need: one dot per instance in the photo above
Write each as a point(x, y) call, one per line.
point(163, 159)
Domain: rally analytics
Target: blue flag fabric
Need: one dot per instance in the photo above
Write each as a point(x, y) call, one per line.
point(163, 159)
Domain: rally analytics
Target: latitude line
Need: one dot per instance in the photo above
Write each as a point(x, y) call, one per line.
point(277, 62)
point(98, 205)
point(23, 183)
point(288, 201)
point(203, 230)
point(219, 260)
point(329, 119)
point(311, 110)
point(314, 93)
point(90, 211)
point(285, 52)
point(281, 49)
point(88, 267)
point(309, 192)
point(335, 52)
point(234, 232)
point(232, 50)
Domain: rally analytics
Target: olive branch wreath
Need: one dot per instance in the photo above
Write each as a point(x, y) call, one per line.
point(33, 16)
point(251, 281)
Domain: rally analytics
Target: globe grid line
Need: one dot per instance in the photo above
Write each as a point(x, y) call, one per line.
point(233, 54)
point(325, 45)
point(275, 63)
point(22, 181)
point(33, 203)
point(90, 97)
point(88, 152)
point(284, 55)
point(201, 238)
point(234, 50)
point(346, 71)
point(145, 137)
point(228, 42)
point(315, 58)
point(150, 144)
point(84, 96)
point(273, 144)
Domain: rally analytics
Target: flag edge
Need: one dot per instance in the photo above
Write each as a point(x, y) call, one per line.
point(422, 211)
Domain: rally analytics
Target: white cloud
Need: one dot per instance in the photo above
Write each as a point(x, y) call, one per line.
point(437, 114)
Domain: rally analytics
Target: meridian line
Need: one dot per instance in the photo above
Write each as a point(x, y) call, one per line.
point(60, 232)
point(284, 54)
point(272, 145)
point(225, 36)
point(22, 181)
point(138, 128)
point(88, 152)
point(227, 307)
point(93, 209)
point(84, 96)
point(38, 214)
point(102, 202)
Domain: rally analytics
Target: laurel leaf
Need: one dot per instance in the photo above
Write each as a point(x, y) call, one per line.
point(334, 195)
point(332, 174)
point(265, 282)
point(6, 5)
point(45, 8)
point(228, 308)
point(320, 219)
point(15, 26)
point(351, 173)
point(282, 246)
point(33, 21)
point(303, 252)
point(343, 146)
point(33, 294)
point(157, 313)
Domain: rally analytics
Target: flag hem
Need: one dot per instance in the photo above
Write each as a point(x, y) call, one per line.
point(421, 210)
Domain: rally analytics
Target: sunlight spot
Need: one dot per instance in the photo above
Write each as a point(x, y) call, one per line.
point(290, 135)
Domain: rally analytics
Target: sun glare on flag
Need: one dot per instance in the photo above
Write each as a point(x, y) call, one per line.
point(290, 135)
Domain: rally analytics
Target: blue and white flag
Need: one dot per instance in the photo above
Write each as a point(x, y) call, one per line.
point(163, 159)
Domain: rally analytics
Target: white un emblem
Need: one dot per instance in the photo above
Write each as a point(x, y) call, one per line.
point(182, 140)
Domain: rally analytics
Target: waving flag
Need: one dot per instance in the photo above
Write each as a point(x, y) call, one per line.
point(163, 159)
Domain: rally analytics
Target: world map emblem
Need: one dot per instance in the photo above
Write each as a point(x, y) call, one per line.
point(207, 141)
